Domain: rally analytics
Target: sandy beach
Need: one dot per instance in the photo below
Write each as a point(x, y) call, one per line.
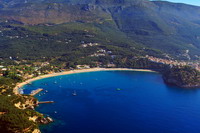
point(19, 85)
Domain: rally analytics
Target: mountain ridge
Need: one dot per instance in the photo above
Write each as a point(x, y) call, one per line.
point(172, 28)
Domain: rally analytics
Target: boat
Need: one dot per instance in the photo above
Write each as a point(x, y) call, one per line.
point(74, 93)
point(118, 89)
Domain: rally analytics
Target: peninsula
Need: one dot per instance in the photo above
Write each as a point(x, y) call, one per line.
point(184, 77)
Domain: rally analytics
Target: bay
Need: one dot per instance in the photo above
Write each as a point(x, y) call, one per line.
point(117, 102)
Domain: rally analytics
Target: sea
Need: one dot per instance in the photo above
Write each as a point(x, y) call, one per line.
point(116, 102)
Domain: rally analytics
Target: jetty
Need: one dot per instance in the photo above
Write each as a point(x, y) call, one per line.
point(42, 102)
point(34, 92)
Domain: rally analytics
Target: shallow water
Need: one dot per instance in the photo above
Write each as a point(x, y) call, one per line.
point(117, 102)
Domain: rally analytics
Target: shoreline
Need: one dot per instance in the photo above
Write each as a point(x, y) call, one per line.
point(19, 85)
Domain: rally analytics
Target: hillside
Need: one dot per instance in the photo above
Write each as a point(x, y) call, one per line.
point(185, 77)
point(167, 27)
point(39, 37)
point(65, 40)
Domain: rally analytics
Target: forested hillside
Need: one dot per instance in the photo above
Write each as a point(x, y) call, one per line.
point(171, 28)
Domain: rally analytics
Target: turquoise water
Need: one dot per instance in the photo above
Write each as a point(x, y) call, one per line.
point(117, 102)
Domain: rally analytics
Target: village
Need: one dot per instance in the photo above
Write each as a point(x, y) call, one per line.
point(27, 71)
point(171, 62)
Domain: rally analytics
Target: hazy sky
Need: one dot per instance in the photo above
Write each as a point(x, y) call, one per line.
point(192, 2)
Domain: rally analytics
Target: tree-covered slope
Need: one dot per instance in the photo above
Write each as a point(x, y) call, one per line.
point(169, 27)
point(47, 41)
point(185, 77)
point(173, 28)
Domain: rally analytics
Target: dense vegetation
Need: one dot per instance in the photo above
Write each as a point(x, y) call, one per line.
point(14, 120)
point(125, 31)
point(44, 42)
point(186, 77)
point(171, 28)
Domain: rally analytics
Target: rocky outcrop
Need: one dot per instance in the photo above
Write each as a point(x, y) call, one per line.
point(174, 81)
point(185, 77)
point(45, 120)
point(29, 103)
point(36, 131)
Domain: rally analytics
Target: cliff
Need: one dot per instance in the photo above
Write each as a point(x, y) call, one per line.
point(185, 77)
point(17, 114)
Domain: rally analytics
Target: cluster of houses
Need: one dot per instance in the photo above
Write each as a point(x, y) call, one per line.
point(195, 65)
point(85, 45)
point(101, 52)
point(82, 66)
point(20, 70)
point(2, 69)
point(166, 61)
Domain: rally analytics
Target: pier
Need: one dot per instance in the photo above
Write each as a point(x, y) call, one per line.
point(42, 102)
point(34, 92)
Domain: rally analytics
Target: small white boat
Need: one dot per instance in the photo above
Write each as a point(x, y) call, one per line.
point(74, 93)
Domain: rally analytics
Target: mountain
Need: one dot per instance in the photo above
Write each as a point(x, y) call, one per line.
point(170, 28)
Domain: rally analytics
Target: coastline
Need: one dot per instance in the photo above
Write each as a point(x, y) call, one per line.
point(19, 85)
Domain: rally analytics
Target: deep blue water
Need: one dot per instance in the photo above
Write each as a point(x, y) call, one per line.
point(144, 104)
